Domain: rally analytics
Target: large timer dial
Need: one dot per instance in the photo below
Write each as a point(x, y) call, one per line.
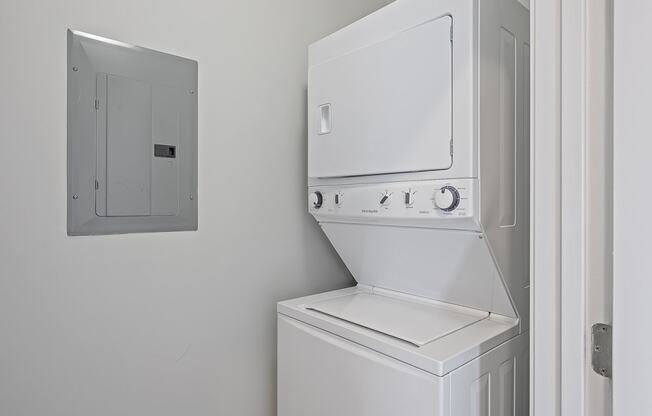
point(447, 198)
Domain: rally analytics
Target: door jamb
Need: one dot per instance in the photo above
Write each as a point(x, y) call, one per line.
point(558, 215)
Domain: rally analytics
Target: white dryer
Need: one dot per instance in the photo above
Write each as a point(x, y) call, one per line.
point(418, 172)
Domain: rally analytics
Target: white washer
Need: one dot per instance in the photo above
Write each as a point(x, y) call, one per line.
point(418, 175)
point(354, 362)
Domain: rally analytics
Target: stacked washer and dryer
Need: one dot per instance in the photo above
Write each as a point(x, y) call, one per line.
point(418, 149)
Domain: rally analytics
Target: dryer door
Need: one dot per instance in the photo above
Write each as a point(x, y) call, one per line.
point(384, 108)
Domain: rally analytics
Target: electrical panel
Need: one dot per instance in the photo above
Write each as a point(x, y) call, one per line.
point(132, 138)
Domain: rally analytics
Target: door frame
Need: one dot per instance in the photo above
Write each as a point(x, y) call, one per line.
point(561, 379)
point(545, 208)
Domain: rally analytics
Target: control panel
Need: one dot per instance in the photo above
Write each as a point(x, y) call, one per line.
point(438, 203)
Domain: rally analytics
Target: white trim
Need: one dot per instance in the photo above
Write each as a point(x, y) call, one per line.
point(573, 207)
point(559, 208)
point(545, 387)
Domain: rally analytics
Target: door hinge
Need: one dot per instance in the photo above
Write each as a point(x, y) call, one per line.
point(451, 147)
point(97, 185)
point(97, 104)
point(601, 349)
point(451, 34)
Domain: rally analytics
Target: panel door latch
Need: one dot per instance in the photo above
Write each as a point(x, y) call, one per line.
point(601, 349)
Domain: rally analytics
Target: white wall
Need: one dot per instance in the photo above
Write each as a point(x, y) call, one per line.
point(632, 199)
point(168, 323)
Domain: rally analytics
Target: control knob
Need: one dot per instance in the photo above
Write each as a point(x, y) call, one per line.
point(447, 198)
point(316, 199)
point(409, 198)
point(386, 199)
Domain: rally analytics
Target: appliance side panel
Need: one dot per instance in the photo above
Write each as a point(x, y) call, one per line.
point(504, 142)
point(494, 383)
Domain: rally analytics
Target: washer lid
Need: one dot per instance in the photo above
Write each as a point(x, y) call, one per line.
point(416, 322)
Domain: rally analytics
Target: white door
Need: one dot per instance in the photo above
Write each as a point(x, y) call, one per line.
point(632, 194)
